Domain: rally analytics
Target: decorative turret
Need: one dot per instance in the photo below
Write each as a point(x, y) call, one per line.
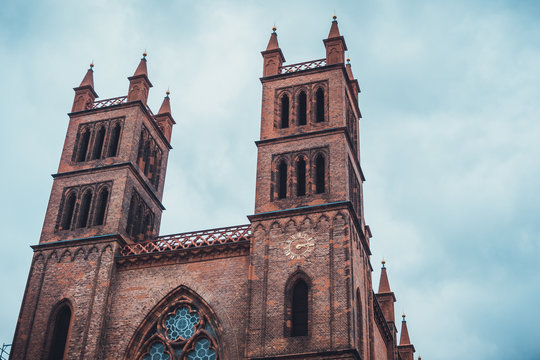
point(164, 118)
point(387, 299)
point(139, 83)
point(353, 81)
point(335, 45)
point(85, 93)
point(405, 348)
point(273, 56)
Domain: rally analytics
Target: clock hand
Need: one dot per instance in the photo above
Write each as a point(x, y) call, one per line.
point(299, 246)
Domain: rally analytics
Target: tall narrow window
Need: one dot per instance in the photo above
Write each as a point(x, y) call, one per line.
point(85, 209)
point(300, 309)
point(282, 180)
point(284, 111)
point(319, 99)
point(301, 177)
point(98, 143)
point(138, 230)
point(302, 108)
point(319, 174)
point(157, 170)
point(103, 198)
point(131, 215)
point(115, 139)
point(147, 227)
point(83, 145)
point(67, 213)
point(60, 333)
point(146, 158)
point(360, 322)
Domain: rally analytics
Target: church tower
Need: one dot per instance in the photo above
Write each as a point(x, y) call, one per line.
point(106, 193)
point(310, 247)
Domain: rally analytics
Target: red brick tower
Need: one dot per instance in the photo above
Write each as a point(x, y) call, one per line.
point(405, 348)
point(107, 193)
point(310, 251)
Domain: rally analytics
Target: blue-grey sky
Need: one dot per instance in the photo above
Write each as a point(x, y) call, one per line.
point(449, 138)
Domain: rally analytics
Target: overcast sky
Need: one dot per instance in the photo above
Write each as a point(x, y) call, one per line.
point(449, 138)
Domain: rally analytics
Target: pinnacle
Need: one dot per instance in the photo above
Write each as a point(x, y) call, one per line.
point(334, 30)
point(88, 79)
point(165, 105)
point(404, 339)
point(141, 69)
point(384, 285)
point(273, 42)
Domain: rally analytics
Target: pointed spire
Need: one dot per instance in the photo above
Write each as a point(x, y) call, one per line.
point(334, 30)
point(88, 79)
point(139, 83)
point(404, 339)
point(165, 105)
point(273, 43)
point(164, 117)
point(273, 56)
point(384, 285)
point(85, 95)
point(141, 69)
point(335, 45)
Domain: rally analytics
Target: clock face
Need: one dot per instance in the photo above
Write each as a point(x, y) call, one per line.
point(298, 246)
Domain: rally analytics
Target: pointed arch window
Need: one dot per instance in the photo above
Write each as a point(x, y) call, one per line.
point(101, 206)
point(282, 180)
point(98, 143)
point(360, 321)
point(301, 177)
point(299, 309)
point(183, 329)
point(83, 145)
point(60, 332)
point(302, 108)
point(284, 111)
point(67, 213)
point(114, 140)
point(319, 105)
point(84, 211)
point(320, 174)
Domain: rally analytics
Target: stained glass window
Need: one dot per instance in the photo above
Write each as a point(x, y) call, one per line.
point(188, 335)
point(157, 352)
point(202, 351)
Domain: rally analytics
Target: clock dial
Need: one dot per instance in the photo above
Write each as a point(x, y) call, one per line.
point(298, 246)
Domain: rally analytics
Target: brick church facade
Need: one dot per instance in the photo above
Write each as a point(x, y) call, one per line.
point(294, 283)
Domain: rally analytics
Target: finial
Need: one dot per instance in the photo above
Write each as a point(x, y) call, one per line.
point(168, 92)
point(383, 262)
point(334, 17)
point(403, 316)
point(91, 64)
point(144, 54)
point(274, 28)
point(419, 358)
point(348, 60)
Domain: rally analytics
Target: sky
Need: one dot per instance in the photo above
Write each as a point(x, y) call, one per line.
point(449, 138)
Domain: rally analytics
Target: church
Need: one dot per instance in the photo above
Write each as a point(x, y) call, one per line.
point(293, 283)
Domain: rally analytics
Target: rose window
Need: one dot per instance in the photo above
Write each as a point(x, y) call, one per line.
point(183, 333)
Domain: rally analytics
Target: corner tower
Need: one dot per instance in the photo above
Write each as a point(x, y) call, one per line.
point(309, 277)
point(106, 193)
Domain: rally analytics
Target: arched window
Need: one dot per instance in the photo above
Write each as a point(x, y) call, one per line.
point(130, 228)
point(282, 180)
point(319, 100)
point(146, 157)
point(101, 206)
point(157, 170)
point(67, 213)
point(299, 309)
point(284, 111)
point(138, 226)
point(301, 177)
point(60, 332)
point(84, 211)
point(302, 108)
point(98, 143)
point(114, 140)
point(147, 225)
point(83, 145)
point(360, 322)
point(180, 327)
point(319, 174)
